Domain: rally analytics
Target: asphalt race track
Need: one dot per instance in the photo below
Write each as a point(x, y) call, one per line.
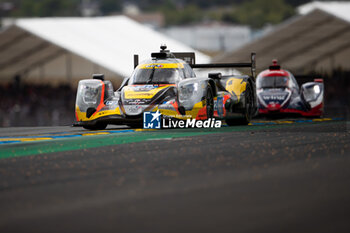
point(277, 176)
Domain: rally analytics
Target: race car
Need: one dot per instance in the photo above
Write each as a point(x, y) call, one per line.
point(168, 85)
point(278, 93)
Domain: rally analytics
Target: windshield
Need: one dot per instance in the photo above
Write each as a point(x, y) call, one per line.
point(272, 82)
point(155, 76)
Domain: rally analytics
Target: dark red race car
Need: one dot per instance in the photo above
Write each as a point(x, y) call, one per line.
point(278, 93)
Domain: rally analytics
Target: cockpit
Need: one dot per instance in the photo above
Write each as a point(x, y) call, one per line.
point(157, 73)
point(272, 82)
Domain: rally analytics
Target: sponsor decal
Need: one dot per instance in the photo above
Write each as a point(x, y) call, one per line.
point(154, 65)
point(273, 97)
point(161, 66)
point(142, 92)
point(154, 120)
point(133, 108)
point(136, 101)
point(219, 106)
point(111, 102)
point(145, 87)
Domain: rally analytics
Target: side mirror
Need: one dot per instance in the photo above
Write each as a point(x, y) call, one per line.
point(312, 91)
point(98, 76)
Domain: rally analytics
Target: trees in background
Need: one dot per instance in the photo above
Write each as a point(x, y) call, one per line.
point(110, 6)
point(47, 8)
point(180, 15)
point(42, 8)
point(258, 13)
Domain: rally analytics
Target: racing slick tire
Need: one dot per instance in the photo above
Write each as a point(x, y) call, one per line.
point(248, 109)
point(97, 126)
point(209, 101)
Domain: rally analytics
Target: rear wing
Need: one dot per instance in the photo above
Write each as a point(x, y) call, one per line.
point(191, 60)
point(251, 65)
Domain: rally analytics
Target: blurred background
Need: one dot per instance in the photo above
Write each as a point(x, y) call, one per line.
point(47, 46)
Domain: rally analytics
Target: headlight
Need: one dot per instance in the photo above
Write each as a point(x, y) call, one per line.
point(90, 94)
point(187, 91)
point(317, 89)
point(311, 93)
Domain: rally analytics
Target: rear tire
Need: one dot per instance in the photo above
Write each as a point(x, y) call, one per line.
point(248, 110)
